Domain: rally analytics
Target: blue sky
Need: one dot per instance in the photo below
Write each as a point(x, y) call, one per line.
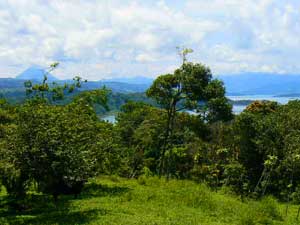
point(115, 38)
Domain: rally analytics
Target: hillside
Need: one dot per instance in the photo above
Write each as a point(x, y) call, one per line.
point(112, 200)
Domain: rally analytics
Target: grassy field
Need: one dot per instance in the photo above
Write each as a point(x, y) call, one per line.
point(111, 200)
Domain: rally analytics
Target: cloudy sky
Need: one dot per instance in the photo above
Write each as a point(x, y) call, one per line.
point(109, 38)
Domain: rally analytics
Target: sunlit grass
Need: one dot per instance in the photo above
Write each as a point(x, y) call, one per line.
point(112, 200)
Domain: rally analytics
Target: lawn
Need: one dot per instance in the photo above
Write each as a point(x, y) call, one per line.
point(113, 200)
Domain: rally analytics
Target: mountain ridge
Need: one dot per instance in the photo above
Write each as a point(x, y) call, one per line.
point(236, 84)
point(261, 83)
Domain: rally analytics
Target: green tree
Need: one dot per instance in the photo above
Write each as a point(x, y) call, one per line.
point(53, 145)
point(191, 87)
point(12, 178)
point(54, 91)
point(139, 128)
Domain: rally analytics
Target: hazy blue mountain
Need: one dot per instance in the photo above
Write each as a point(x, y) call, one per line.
point(237, 84)
point(261, 83)
point(35, 73)
point(120, 87)
point(11, 83)
point(131, 80)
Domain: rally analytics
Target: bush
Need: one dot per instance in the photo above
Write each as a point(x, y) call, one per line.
point(268, 207)
point(202, 198)
point(142, 180)
point(52, 145)
point(15, 182)
point(235, 178)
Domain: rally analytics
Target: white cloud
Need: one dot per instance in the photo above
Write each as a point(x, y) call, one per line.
point(107, 38)
point(144, 58)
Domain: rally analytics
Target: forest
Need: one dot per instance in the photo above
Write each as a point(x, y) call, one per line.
point(158, 164)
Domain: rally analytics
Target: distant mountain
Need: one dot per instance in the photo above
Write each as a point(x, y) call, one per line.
point(35, 73)
point(236, 84)
point(7, 83)
point(293, 95)
point(120, 87)
point(261, 84)
point(11, 84)
point(131, 80)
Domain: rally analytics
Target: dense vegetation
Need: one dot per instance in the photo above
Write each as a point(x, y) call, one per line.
point(49, 149)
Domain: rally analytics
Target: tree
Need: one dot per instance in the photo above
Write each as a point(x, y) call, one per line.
point(12, 178)
point(235, 177)
point(51, 92)
point(191, 87)
point(53, 145)
point(139, 129)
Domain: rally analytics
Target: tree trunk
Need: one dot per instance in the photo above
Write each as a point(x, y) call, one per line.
point(164, 145)
point(169, 132)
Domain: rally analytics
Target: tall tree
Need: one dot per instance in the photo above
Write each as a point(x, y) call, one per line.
point(190, 87)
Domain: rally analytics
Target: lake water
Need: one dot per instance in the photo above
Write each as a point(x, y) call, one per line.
point(109, 118)
point(236, 108)
point(281, 100)
point(239, 108)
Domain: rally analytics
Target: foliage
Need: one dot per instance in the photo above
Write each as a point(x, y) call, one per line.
point(51, 145)
point(190, 87)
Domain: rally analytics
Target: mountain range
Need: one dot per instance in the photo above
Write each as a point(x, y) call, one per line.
point(236, 84)
point(261, 84)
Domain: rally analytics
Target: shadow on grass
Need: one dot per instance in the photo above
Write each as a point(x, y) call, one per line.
point(41, 209)
point(99, 190)
point(54, 217)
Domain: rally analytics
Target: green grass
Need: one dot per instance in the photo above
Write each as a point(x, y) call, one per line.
point(111, 200)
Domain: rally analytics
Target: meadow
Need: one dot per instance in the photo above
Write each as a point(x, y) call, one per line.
point(114, 200)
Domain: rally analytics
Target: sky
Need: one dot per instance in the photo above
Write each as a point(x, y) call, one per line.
point(99, 39)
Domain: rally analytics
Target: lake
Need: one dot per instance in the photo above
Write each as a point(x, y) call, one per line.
point(109, 118)
point(237, 109)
